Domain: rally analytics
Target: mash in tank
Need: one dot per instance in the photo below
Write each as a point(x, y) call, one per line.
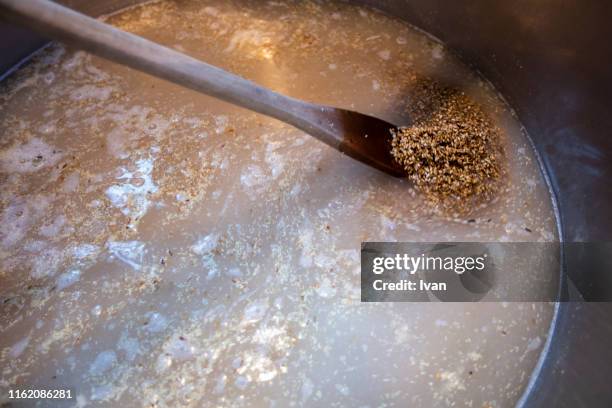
point(161, 248)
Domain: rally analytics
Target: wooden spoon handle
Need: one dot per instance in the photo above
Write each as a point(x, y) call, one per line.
point(128, 49)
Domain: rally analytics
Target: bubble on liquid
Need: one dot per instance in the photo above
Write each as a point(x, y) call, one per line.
point(30, 156)
point(96, 310)
point(68, 279)
point(18, 348)
point(130, 197)
point(179, 348)
point(84, 251)
point(253, 176)
point(103, 362)
point(206, 245)
point(255, 311)
point(156, 322)
point(129, 252)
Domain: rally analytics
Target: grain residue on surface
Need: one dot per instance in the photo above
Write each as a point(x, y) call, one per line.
point(452, 151)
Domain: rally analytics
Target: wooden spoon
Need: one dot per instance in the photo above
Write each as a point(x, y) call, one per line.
point(364, 138)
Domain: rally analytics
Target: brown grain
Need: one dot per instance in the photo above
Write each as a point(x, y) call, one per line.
point(452, 151)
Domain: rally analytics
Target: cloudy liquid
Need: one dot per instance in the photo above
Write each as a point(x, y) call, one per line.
point(160, 247)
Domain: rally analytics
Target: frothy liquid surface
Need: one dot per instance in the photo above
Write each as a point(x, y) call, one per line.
point(160, 247)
